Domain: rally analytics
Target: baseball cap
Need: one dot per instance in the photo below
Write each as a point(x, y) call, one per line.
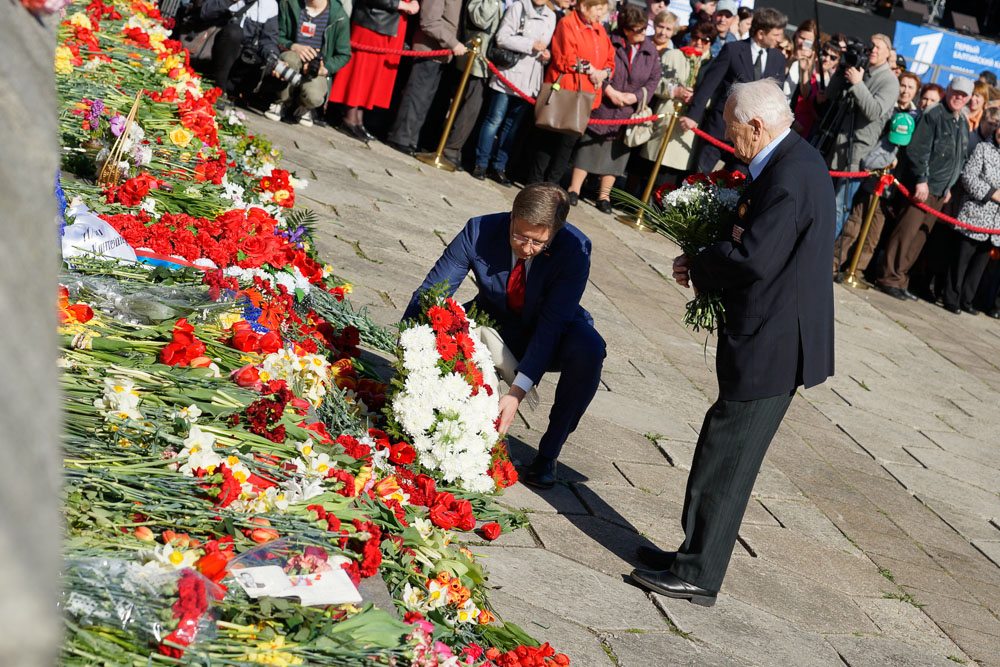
point(961, 85)
point(901, 129)
point(726, 6)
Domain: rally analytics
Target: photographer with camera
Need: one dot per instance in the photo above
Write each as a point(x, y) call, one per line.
point(315, 38)
point(861, 95)
point(244, 45)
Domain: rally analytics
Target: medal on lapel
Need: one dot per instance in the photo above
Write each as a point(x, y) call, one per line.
point(742, 209)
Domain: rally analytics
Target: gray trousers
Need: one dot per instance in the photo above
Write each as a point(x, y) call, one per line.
point(417, 97)
point(465, 119)
point(731, 447)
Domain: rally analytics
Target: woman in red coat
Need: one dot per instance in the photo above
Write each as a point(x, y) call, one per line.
point(367, 80)
point(602, 148)
point(584, 58)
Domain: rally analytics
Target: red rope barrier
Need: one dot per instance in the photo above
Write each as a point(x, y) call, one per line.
point(947, 218)
point(401, 52)
point(593, 121)
point(505, 81)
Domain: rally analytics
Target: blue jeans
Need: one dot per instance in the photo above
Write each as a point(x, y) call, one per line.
point(503, 116)
point(845, 191)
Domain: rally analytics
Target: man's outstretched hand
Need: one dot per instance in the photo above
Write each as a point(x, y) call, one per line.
point(509, 403)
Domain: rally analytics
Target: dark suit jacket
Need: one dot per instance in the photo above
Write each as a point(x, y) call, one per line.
point(556, 280)
point(732, 65)
point(775, 281)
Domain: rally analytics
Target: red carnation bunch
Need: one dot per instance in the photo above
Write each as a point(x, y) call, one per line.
point(191, 605)
point(264, 415)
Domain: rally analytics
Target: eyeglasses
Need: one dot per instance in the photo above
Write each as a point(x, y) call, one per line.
point(703, 40)
point(830, 56)
point(524, 240)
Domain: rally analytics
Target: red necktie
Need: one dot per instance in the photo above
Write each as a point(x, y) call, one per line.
point(515, 287)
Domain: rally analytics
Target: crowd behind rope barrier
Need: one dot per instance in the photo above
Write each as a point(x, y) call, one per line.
point(886, 180)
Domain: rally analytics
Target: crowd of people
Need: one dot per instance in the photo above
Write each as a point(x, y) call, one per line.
point(852, 99)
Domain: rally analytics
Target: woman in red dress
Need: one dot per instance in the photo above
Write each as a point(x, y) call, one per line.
point(367, 80)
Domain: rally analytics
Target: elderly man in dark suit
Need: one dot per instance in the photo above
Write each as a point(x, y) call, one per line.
point(747, 60)
point(777, 335)
point(531, 268)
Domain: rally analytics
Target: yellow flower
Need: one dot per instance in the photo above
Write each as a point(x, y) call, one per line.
point(81, 20)
point(364, 476)
point(270, 653)
point(64, 60)
point(281, 195)
point(180, 137)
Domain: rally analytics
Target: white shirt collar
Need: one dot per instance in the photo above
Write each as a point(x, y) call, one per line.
point(756, 48)
point(760, 160)
point(527, 262)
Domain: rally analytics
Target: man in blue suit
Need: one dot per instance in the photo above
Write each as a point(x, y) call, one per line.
point(777, 334)
point(750, 59)
point(531, 268)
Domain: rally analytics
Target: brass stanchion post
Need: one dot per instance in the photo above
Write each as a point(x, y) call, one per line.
point(848, 277)
point(437, 159)
point(637, 219)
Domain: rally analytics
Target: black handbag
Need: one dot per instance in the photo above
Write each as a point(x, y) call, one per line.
point(501, 57)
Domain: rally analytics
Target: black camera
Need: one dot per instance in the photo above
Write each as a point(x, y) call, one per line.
point(282, 70)
point(311, 69)
point(855, 55)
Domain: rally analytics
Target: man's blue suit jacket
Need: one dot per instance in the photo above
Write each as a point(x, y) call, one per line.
point(556, 280)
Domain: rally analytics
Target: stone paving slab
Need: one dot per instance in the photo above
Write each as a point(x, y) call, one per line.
point(801, 600)
point(884, 652)
point(744, 631)
point(648, 649)
point(888, 469)
point(603, 602)
point(900, 620)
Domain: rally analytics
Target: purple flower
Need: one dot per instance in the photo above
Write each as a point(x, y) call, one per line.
point(117, 124)
point(94, 115)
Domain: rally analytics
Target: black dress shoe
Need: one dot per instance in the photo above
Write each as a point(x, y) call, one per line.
point(479, 173)
point(574, 199)
point(894, 292)
point(500, 176)
point(357, 132)
point(910, 295)
point(995, 313)
point(952, 309)
point(541, 474)
point(658, 559)
point(408, 150)
point(970, 310)
point(666, 583)
point(604, 205)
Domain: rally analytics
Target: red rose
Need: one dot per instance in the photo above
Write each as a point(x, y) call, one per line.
point(491, 530)
point(402, 453)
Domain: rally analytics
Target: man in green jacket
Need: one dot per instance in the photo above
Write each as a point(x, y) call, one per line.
point(931, 166)
point(315, 38)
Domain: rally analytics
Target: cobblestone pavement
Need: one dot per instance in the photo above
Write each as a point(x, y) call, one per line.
point(873, 535)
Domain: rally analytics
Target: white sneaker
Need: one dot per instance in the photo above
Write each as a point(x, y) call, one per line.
point(274, 112)
point(304, 117)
